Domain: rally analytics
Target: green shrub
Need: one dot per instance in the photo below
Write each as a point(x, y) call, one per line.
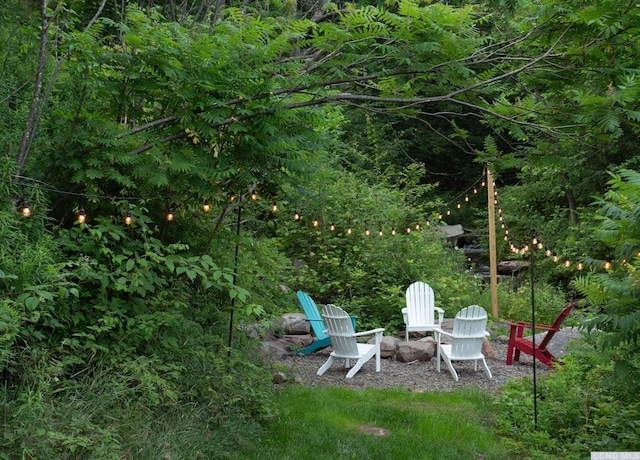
point(583, 406)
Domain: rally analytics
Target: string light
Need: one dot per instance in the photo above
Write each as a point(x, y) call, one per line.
point(24, 208)
point(567, 261)
point(393, 231)
point(333, 226)
point(296, 215)
point(607, 264)
point(127, 218)
point(315, 222)
point(205, 206)
point(82, 216)
point(170, 214)
point(274, 207)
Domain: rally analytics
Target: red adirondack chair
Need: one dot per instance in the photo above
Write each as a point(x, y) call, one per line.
point(518, 344)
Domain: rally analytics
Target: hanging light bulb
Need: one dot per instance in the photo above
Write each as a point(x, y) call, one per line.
point(367, 232)
point(466, 198)
point(24, 208)
point(567, 261)
point(315, 222)
point(82, 216)
point(475, 190)
point(607, 264)
point(580, 266)
point(380, 232)
point(417, 225)
point(555, 256)
point(393, 231)
point(274, 207)
point(170, 214)
point(349, 231)
point(254, 196)
point(408, 229)
point(127, 218)
point(440, 216)
point(206, 206)
point(448, 212)
point(548, 252)
point(428, 223)
point(483, 183)
point(296, 215)
point(333, 226)
point(458, 205)
point(232, 197)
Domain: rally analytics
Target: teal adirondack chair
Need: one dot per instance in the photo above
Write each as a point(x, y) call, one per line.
point(317, 325)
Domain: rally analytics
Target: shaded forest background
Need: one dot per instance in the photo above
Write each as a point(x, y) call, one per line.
point(289, 141)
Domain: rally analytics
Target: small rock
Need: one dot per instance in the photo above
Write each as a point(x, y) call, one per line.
point(279, 378)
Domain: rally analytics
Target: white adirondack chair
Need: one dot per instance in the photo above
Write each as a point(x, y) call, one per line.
point(469, 331)
point(420, 312)
point(344, 341)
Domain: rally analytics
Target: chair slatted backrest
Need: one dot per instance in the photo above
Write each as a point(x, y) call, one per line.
point(313, 315)
point(420, 304)
point(340, 330)
point(469, 331)
point(556, 325)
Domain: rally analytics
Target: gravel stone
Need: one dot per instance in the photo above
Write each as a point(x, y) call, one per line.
point(421, 376)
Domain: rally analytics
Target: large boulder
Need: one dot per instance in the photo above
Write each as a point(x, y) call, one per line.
point(388, 346)
point(487, 349)
point(295, 341)
point(275, 350)
point(422, 350)
point(295, 324)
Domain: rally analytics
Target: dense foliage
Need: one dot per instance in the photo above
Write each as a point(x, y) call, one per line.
point(369, 117)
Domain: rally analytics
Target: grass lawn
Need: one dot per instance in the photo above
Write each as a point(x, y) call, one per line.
point(332, 423)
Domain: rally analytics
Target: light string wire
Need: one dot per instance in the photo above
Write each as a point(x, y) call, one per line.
point(369, 228)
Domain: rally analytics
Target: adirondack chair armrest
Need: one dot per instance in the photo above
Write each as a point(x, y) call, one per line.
point(437, 331)
point(317, 320)
point(379, 330)
point(526, 325)
point(454, 336)
point(440, 314)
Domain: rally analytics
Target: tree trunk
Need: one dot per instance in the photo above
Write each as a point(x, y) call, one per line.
point(571, 201)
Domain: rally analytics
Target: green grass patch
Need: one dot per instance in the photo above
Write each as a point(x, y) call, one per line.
point(329, 423)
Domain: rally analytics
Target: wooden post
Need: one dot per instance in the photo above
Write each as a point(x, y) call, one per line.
point(493, 266)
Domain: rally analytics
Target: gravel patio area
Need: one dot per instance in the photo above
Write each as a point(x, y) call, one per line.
point(421, 376)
